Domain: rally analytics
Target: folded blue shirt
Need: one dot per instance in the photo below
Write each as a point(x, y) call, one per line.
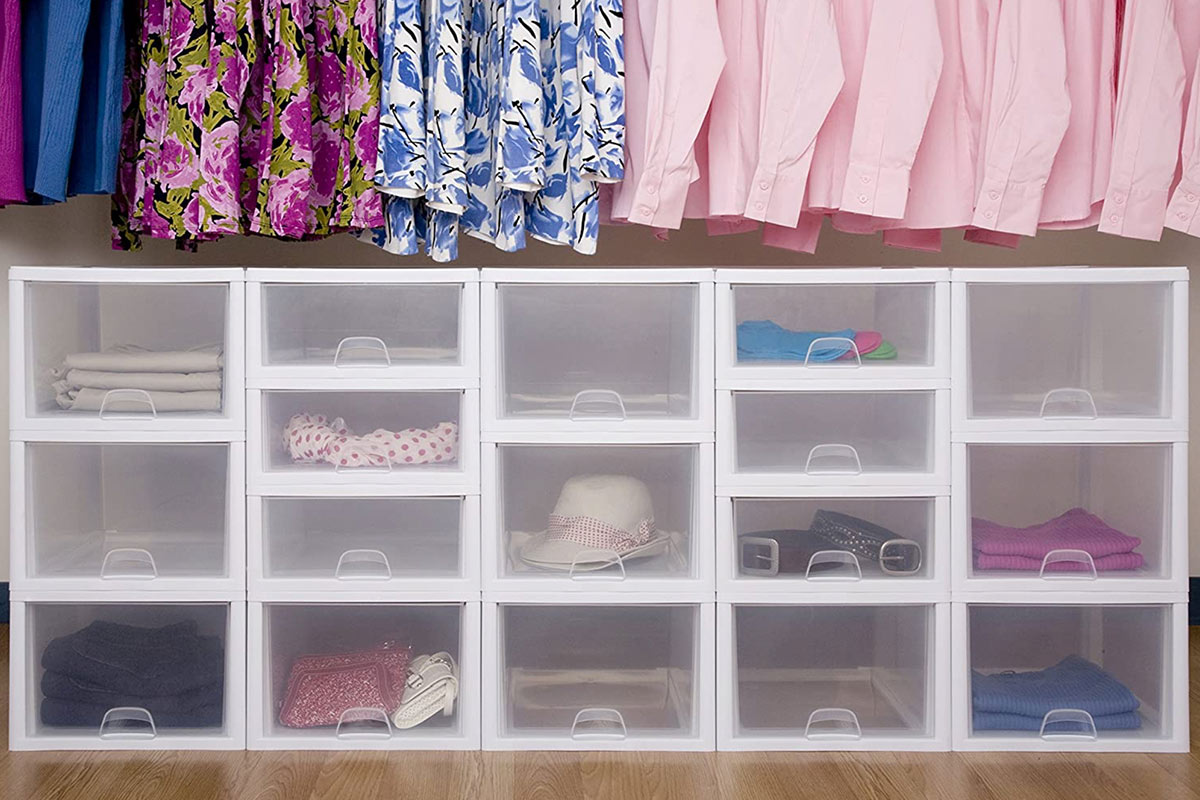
point(988, 721)
point(1073, 682)
point(763, 340)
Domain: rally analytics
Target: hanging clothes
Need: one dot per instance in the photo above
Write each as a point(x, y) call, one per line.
point(12, 157)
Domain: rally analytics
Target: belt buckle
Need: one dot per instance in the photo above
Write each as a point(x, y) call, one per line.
point(910, 561)
point(750, 557)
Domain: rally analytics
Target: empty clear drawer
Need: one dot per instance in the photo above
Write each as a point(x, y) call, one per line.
point(339, 437)
point(103, 675)
point(625, 355)
point(330, 676)
point(823, 437)
point(148, 351)
point(384, 323)
point(825, 677)
point(834, 544)
point(599, 676)
point(626, 515)
point(1073, 516)
point(844, 326)
point(1072, 676)
point(363, 543)
point(1076, 349)
point(145, 516)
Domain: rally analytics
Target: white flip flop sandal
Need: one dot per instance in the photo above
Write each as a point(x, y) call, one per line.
point(432, 686)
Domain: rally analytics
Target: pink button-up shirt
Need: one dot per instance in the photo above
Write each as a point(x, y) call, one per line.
point(1183, 211)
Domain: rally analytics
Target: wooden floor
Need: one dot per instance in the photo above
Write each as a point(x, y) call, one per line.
point(565, 776)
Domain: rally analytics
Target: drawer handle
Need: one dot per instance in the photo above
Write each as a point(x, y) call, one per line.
point(374, 724)
point(128, 562)
point(599, 723)
point(834, 557)
point(836, 362)
point(1084, 732)
point(597, 404)
point(366, 343)
point(1074, 556)
point(1067, 396)
point(833, 452)
point(842, 724)
point(127, 722)
point(590, 557)
point(350, 566)
point(127, 396)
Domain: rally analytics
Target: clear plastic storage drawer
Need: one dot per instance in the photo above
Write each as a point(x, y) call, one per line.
point(364, 543)
point(821, 438)
point(620, 356)
point(364, 324)
point(1072, 517)
point(129, 515)
point(1075, 349)
point(108, 675)
point(599, 677)
point(338, 438)
point(127, 351)
point(1065, 677)
point(832, 677)
point(833, 544)
point(626, 515)
point(345, 676)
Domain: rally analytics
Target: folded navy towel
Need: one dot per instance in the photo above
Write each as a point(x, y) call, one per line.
point(64, 687)
point(991, 721)
point(69, 713)
point(1073, 682)
point(147, 662)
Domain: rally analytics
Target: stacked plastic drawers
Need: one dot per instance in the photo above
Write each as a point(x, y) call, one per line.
point(1071, 412)
point(826, 642)
point(346, 557)
point(597, 509)
point(124, 511)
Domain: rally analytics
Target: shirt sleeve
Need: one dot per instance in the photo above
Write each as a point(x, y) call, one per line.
point(686, 58)
point(802, 77)
point(1148, 123)
point(1183, 213)
point(1029, 112)
point(900, 78)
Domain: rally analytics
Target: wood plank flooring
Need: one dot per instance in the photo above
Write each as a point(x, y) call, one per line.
point(631, 776)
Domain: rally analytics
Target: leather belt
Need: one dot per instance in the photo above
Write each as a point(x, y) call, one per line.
point(773, 552)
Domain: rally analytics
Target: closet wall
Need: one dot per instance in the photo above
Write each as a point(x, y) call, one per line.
point(76, 233)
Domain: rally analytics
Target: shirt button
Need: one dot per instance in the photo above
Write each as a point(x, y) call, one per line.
point(865, 178)
point(994, 194)
point(862, 198)
point(651, 189)
point(1119, 199)
point(1191, 198)
point(645, 211)
point(759, 205)
point(1114, 218)
point(1183, 215)
point(989, 214)
point(764, 185)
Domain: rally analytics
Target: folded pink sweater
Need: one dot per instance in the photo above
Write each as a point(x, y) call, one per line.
point(1000, 547)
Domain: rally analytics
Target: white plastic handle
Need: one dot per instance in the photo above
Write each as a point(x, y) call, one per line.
point(834, 557)
point(836, 362)
point(127, 722)
point(608, 722)
point(370, 343)
point(1068, 716)
point(352, 716)
point(128, 396)
point(1067, 396)
point(384, 467)
point(845, 725)
point(1075, 556)
point(128, 562)
point(609, 557)
point(832, 452)
point(597, 404)
point(350, 566)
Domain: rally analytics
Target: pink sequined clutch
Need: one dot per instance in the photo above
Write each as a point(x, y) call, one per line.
point(321, 688)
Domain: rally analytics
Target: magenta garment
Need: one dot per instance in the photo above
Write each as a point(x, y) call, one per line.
point(865, 342)
point(12, 169)
point(1001, 547)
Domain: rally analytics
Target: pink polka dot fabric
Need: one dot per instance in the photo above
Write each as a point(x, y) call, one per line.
point(314, 438)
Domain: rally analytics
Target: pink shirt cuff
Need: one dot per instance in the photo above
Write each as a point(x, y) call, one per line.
point(660, 198)
point(1134, 215)
point(928, 240)
point(994, 238)
point(801, 239)
point(776, 199)
point(876, 191)
point(1008, 206)
point(1183, 213)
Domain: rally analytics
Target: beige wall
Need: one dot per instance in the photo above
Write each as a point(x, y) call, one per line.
point(77, 233)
